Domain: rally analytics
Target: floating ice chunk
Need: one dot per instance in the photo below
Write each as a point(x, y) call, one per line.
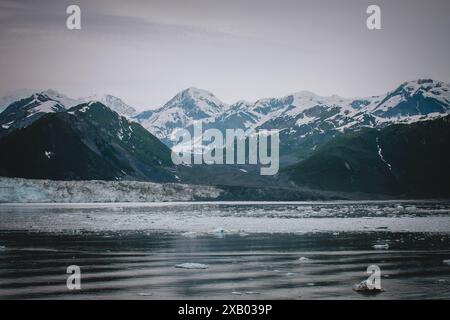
point(190, 265)
point(304, 260)
point(364, 288)
point(252, 292)
point(145, 294)
point(447, 262)
point(381, 246)
point(237, 293)
point(2, 247)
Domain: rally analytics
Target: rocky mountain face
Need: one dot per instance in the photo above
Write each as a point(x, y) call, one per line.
point(88, 141)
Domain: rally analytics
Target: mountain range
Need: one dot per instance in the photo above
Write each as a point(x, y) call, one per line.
point(49, 135)
point(305, 120)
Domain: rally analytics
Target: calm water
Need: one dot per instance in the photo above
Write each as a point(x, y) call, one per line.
point(251, 251)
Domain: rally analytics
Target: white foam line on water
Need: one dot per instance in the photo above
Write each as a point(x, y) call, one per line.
point(188, 203)
point(227, 225)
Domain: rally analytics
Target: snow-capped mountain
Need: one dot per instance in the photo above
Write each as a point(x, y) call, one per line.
point(305, 120)
point(181, 111)
point(87, 141)
point(62, 99)
point(415, 98)
point(412, 101)
point(23, 112)
point(30, 108)
point(13, 96)
point(311, 120)
point(114, 103)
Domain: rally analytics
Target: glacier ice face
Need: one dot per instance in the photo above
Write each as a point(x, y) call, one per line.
point(24, 190)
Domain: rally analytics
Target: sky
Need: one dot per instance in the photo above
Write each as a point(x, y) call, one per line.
point(146, 51)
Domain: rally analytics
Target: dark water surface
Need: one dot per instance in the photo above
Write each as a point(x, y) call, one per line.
point(140, 264)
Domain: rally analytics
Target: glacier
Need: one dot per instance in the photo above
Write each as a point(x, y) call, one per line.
point(17, 190)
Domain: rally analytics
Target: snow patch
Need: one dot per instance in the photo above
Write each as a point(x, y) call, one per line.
point(48, 154)
point(380, 153)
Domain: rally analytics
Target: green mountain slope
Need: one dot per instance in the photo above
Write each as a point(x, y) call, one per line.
point(407, 159)
point(88, 141)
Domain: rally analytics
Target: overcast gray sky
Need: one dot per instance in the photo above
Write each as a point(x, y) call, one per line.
point(147, 51)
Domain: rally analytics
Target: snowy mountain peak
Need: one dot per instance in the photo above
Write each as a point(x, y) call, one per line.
point(13, 96)
point(305, 94)
point(64, 100)
point(181, 111)
point(25, 111)
point(414, 98)
point(114, 103)
point(424, 87)
point(195, 100)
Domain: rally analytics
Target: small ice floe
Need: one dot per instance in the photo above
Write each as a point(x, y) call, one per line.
point(290, 274)
point(447, 262)
point(252, 292)
point(364, 288)
point(335, 233)
point(381, 246)
point(145, 294)
point(190, 234)
point(237, 293)
point(311, 284)
point(303, 260)
point(190, 265)
point(2, 247)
